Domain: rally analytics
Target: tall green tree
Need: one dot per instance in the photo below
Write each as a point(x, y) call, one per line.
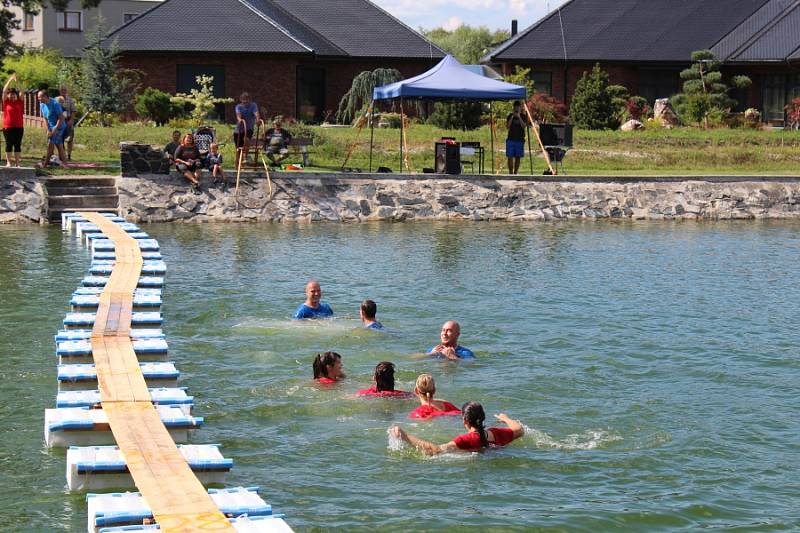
point(9, 21)
point(704, 91)
point(465, 43)
point(592, 106)
point(106, 88)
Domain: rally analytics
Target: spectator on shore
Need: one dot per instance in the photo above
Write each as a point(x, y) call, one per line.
point(367, 312)
point(277, 143)
point(515, 141)
point(187, 159)
point(53, 115)
point(328, 368)
point(69, 115)
point(449, 347)
point(313, 307)
point(13, 120)
point(247, 115)
point(477, 437)
point(214, 163)
point(170, 148)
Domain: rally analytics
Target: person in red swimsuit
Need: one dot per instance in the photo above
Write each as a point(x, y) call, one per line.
point(477, 437)
point(328, 367)
point(425, 389)
point(384, 383)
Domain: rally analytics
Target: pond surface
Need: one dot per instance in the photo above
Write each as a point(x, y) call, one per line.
point(655, 366)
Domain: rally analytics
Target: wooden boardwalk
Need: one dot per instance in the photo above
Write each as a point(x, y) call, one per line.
point(178, 500)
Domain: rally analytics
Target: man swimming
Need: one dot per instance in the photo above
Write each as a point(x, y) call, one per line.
point(313, 307)
point(367, 312)
point(449, 348)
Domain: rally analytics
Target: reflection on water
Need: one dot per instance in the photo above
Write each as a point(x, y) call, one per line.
point(653, 365)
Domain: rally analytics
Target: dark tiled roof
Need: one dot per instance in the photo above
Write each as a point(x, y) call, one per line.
point(332, 28)
point(204, 25)
point(628, 30)
point(771, 34)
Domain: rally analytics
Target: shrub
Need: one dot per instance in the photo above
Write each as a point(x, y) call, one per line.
point(636, 108)
point(392, 119)
point(155, 105)
point(456, 115)
point(793, 113)
point(546, 108)
point(36, 68)
point(592, 107)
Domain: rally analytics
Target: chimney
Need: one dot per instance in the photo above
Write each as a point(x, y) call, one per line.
point(513, 27)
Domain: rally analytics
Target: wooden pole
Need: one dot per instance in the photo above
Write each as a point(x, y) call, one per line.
point(491, 132)
point(530, 151)
point(269, 179)
point(238, 172)
point(539, 138)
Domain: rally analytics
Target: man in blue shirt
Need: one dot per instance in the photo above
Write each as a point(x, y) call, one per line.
point(247, 114)
point(367, 313)
point(313, 307)
point(53, 114)
point(449, 348)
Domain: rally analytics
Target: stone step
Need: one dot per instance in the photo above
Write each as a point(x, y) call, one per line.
point(74, 202)
point(92, 190)
point(80, 181)
point(54, 213)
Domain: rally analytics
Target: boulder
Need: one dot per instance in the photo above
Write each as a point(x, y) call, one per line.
point(663, 112)
point(632, 125)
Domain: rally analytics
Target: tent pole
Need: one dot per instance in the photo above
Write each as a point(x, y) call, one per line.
point(491, 132)
point(371, 131)
point(402, 123)
point(539, 138)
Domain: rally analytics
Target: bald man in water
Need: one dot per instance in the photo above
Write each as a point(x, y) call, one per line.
point(449, 347)
point(313, 307)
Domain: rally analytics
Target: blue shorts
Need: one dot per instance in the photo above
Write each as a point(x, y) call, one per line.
point(58, 137)
point(515, 148)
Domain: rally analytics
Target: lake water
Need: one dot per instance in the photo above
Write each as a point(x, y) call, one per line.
point(655, 366)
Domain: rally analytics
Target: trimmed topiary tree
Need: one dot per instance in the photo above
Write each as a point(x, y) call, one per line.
point(155, 105)
point(592, 105)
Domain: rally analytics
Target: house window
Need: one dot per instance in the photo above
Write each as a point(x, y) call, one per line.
point(27, 23)
point(543, 82)
point(655, 84)
point(70, 21)
point(187, 80)
point(310, 94)
point(127, 17)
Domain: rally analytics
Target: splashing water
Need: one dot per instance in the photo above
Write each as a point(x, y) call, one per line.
point(394, 444)
point(588, 440)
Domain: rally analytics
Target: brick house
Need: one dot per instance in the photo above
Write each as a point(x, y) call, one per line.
point(296, 58)
point(644, 44)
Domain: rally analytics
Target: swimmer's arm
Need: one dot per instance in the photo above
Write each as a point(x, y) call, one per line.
point(428, 448)
point(514, 425)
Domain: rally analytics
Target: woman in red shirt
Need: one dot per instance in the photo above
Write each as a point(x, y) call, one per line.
point(425, 389)
point(328, 367)
point(475, 439)
point(384, 383)
point(13, 122)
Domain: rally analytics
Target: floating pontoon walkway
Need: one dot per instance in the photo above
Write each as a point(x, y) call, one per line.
point(136, 420)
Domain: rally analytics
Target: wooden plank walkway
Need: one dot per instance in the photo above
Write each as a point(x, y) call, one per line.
point(178, 500)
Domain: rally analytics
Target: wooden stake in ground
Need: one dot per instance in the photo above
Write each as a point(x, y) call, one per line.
point(539, 138)
point(269, 179)
point(238, 172)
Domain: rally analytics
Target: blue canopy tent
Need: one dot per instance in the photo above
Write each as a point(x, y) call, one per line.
point(448, 80)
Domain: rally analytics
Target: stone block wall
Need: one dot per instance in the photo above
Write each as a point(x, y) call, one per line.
point(22, 200)
point(139, 158)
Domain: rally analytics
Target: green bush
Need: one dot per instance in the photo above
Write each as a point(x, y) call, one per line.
point(155, 105)
point(592, 106)
point(36, 68)
point(456, 115)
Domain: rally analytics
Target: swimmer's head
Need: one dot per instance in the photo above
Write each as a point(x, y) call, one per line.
point(474, 416)
point(384, 376)
point(450, 333)
point(425, 386)
point(328, 365)
point(313, 293)
point(368, 309)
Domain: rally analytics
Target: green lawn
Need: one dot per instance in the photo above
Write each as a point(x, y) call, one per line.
point(682, 151)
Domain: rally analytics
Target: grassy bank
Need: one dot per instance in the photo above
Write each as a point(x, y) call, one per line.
point(686, 151)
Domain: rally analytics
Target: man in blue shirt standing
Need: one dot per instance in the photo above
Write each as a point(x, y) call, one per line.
point(53, 114)
point(449, 348)
point(313, 307)
point(247, 114)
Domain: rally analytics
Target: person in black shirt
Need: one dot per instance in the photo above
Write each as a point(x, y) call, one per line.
point(515, 142)
point(170, 148)
point(277, 143)
point(187, 159)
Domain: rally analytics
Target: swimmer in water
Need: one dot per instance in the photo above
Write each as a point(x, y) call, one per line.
point(449, 347)
point(425, 389)
point(328, 367)
point(367, 313)
point(384, 383)
point(477, 437)
point(313, 307)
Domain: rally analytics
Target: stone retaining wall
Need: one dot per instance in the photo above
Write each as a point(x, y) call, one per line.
point(354, 198)
point(22, 199)
point(140, 158)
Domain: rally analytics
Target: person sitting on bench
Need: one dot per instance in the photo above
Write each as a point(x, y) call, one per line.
point(276, 143)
